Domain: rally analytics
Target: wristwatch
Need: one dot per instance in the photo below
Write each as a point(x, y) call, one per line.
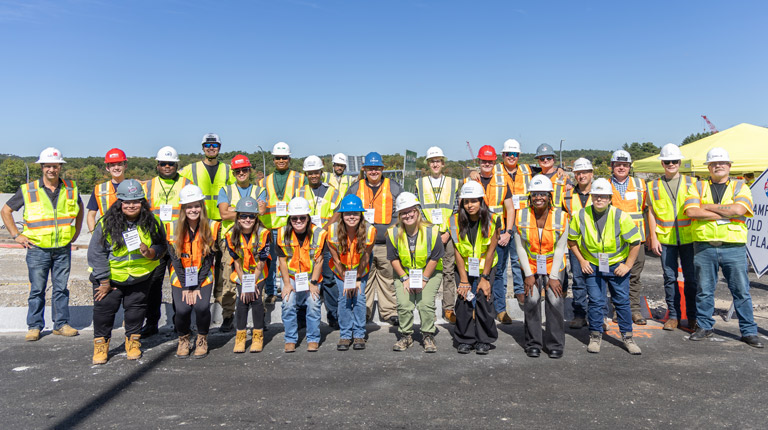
point(314, 282)
point(486, 277)
point(404, 278)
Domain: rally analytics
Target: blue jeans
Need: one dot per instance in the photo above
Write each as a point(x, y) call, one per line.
point(579, 288)
point(597, 285)
point(352, 311)
point(669, 258)
point(290, 321)
point(269, 287)
point(329, 289)
point(499, 287)
point(40, 262)
point(732, 258)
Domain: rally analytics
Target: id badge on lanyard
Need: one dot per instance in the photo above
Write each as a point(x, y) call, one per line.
point(603, 265)
point(415, 277)
point(302, 281)
point(190, 276)
point(541, 264)
point(132, 240)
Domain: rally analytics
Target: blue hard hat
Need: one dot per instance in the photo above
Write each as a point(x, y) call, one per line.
point(373, 159)
point(351, 203)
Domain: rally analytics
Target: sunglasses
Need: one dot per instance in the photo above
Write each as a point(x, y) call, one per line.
point(247, 216)
point(281, 157)
point(487, 161)
point(668, 162)
point(539, 194)
point(600, 197)
point(547, 158)
point(241, 170)
point(165, 163)
point(299, 218)
point(211, 145)
point(511, 154)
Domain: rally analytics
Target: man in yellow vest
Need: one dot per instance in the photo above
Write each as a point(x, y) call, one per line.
point(337, 179)
point(104, 193)
point(209, 174)
point(225, 291)
point(281, 186)
point(51, 205)
point(576, 199)
point(437, 197)
point(719, 209)
point(670, 235)
point(629, 195)
point(162, 194)
point(545, 155)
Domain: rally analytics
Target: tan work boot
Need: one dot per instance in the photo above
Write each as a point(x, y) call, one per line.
point(33, 334)
point(671, 324)
point(404, 343)
point(100, 350)
point(65, 330)
point(504, 317)
point(595, 338)
point(257, 340)
point(630, 344)
point(201, 346)
point(313, 346)
point(240, 337)
point(450, 316)
point(290, 347)
point(429, 343)
point(133, 347)
point(182, 349)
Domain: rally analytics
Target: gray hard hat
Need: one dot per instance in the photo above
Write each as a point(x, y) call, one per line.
point(544, 149)
point(130, 189)
point(247, 205)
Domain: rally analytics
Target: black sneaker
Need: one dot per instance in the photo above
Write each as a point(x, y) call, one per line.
point(701, 334)
point(464, 348)
point(752, 341)
point(226, 325)
point(394, 320)
point(482, 348)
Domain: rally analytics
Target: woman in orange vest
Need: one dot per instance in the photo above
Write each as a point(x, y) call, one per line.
point(191, 270)
point(248, 242)
point(541, 241)
point(350, 241)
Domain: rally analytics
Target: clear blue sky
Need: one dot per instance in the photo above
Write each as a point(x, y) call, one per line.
point(354, 76)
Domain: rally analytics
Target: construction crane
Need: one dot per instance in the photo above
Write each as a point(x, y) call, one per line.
point(471, 152)
point(712, 127)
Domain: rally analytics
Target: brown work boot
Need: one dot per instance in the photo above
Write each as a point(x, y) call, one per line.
point(313, 346)
point(450, 316)
point(403, 343)
point(100, 350)
point(182, 349)
point(201, 346)
point(429, 343)
point(520, 299)
point(65, 330)
point(33, 334)
point(638, 319)
point(671, 324)
point(358, 344)
point(133, 347)
point(504, 317)
point(290, 347)
point(343, 344)
point(240, 337)
point(257, 340)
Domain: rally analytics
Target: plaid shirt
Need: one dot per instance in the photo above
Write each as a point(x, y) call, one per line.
point(621, 187)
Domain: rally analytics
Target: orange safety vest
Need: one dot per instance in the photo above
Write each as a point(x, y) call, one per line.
point(105, 195)
point(543, 244)
point(572, 201)
point(300, 257)
point(192, 256)
point(249, 250)
point(633, 207)
point(351, 259)
point(381, 203)
point(518, 186)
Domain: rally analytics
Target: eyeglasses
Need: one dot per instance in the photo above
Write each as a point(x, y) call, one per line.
point(299, 218)
point(435, 161)
point(668, 162)
point(211, 145)
point(131, 202)
point(547, 158)
point(600, 197)
point(247, 216)
point(281, 157)
point(539, 194)
point(241, 170)
point(166, 163)
point(512, 154)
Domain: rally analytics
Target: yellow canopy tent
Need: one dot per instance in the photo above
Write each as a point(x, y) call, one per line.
point(747, 145)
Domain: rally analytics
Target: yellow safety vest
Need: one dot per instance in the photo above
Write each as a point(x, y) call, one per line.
point(105, 195)
point(233, 195)
point(44, 225)
point(444, 199)
point(545, 243)
point(321, 206)
point(342, 184)
point(271, 220)
point(465, 247)
point(300, 257)
point(618, 233)
point(124, 264)
point(633, 207)
point(572, 201)
point(733, 230)
point(161, 192)
point(198, 174)
point(425, 242)
point(673, 226)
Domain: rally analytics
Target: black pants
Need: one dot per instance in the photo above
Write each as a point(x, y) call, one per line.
point(481, 328)
point(256, 306)
point(155, 295)
point(134, 300)
point(182, 312)
point(554, 337)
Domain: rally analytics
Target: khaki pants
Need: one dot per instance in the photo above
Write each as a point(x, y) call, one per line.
point(225, 291)
point(424, 301)
point(380, 281)
point(448, 292)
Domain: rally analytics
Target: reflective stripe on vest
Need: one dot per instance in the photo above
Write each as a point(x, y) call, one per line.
point(341, 184)
point(159, 194)
point(233, 195)
point(572, 201)
point(192, 256)
point(667, 212)
point(248, 254)
point(198, 173)
point(47, 226)
point(124, 264)
point(590, 246)
point(633, 208)
point(735, 231)
point(382, 202)
point(270, 219)
point(105, 195)
point(328, 204)
point(350, 259)
point(429, 200)
point(554, 229)
point(466, 249)
point(300, 257)
point(425, 243)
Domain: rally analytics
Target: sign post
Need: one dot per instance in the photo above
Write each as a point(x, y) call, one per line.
point(409, 171)
point(757, 226)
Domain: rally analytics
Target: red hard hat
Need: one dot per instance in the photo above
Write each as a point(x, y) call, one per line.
point(114, 155)
point(240, 161)
point(487, 153)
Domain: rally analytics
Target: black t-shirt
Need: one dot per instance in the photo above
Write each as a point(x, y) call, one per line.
point(600, 219)
point(474, 225)
point(718, 190)
point(212, 170)
point(485, 181)
point(437, 252)
point(583, 197)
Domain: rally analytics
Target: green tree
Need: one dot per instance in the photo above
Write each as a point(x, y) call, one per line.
point(641, 150)
point(693, 137)
point(12, 174)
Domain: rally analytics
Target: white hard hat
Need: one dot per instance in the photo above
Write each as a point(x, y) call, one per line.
point(670, 151)
point(298, 206)
point(340, 158)
point(472, 190)
point(511, 145)
point(434, 152)
point(717, 154)
point(313, 162)
point(621, 156)
point(50, 155)
point(406, 200)
point(540, 183)
point(190, 193)
point(211, 138)
point(167, 153)
point(602, 187)
point(281, 148)
point(582, 164)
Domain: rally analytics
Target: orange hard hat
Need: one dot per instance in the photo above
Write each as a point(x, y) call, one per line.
point(114, 155)
point(487, 153)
